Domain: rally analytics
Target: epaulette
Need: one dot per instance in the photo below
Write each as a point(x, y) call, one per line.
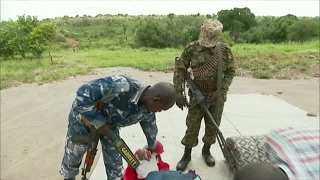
point(225, 45)
point(191, 44)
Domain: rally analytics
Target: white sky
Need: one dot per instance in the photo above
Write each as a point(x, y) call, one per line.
point(59, 8)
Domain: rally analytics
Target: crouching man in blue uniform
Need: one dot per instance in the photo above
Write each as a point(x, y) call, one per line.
point(125, 101)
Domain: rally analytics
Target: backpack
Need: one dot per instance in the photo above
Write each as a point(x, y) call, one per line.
point(172, 175)
point(248, 150)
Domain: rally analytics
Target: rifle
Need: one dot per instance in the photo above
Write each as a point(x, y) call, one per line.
point(93, 139)
point(200, 99)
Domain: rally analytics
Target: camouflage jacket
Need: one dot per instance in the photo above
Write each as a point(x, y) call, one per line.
point(193, 56)
point(120, 106)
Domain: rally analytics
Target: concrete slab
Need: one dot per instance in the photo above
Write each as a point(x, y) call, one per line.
point(245, 114)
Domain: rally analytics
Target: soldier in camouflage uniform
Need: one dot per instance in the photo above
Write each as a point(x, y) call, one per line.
point(202, 58)
point(125, 102)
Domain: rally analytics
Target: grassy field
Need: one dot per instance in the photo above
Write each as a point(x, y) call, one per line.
point(283, 61)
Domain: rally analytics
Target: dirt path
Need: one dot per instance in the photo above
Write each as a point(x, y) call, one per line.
point(34, 118)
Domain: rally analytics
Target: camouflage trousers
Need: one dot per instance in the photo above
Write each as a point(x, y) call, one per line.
point(73, 155)
point(193, 122)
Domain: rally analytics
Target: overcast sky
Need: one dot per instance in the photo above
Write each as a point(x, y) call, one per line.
point(59, 8)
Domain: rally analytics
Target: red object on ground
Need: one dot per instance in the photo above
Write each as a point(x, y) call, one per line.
point(131, 174)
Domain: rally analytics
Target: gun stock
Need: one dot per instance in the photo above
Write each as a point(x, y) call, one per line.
point(93, 139)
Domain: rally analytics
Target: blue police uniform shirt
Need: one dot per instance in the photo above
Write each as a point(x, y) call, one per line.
point(119, 96)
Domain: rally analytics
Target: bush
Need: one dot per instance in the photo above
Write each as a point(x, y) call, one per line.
point(303, 30)
point(154, 34)
point(226, 38)
point(60, 37)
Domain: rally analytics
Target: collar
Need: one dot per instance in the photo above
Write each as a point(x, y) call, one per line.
point(137, 95)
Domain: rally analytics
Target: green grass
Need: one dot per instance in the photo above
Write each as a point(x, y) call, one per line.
point(67, 64)
point(143, 59)
point(262, 60)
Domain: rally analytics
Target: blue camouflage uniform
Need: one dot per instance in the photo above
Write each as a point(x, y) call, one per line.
point(120, 108)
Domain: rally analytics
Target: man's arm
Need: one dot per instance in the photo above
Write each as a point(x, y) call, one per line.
point(150, 129)
point(229, 72)
point(180, 68)
point(87, 97)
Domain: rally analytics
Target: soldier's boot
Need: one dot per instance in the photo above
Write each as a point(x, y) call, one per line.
point(208, 158)
point(186, 158)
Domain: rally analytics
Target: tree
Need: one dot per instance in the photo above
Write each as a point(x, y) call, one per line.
point(154, 34)
point(41, 38)
point(192, 33)
point(303, 30)
point(237, 20)
point(19, 33)
point(264, 28)
point(236, 29)
point(171, 15)
point(6, 49)
point(279, 30)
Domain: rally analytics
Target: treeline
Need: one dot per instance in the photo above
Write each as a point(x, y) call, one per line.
point(109, 31)
point(26, 35)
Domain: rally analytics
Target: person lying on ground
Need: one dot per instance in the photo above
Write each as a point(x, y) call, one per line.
point(294, 154)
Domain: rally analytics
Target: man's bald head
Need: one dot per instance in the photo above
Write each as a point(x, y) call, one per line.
point(159, 97)
point(166, 92)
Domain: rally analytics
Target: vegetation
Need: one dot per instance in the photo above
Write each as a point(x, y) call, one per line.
point(264, 47)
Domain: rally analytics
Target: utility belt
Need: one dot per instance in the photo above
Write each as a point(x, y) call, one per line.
point(206, 87)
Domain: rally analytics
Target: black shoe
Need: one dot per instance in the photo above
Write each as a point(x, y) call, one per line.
point(208, 158)
point(186, 158)
point(70, 179)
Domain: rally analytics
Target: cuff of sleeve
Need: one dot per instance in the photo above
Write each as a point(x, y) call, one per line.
point(224, 88)
point(152, 145)
point(98, 122)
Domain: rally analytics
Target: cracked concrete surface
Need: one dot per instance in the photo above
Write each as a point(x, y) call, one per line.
point(34, 121)
point(244, 114)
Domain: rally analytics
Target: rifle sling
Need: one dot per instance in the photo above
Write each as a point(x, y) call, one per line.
point(219, 76)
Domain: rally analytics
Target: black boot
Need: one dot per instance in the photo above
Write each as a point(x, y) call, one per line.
point(207, 156)
point(186, 158)
point(70, 179)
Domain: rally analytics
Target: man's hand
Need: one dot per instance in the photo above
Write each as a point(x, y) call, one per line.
point(180, 102)
point(212, 97)
point(152, 150)
point(143, 154)
point(104, 130)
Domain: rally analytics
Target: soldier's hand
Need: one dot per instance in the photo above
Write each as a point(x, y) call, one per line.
point(212, 97)
point(104, 130)
point(180, 102)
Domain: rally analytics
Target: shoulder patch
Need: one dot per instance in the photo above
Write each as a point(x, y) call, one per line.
point(120, 84)
point(122, 87)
